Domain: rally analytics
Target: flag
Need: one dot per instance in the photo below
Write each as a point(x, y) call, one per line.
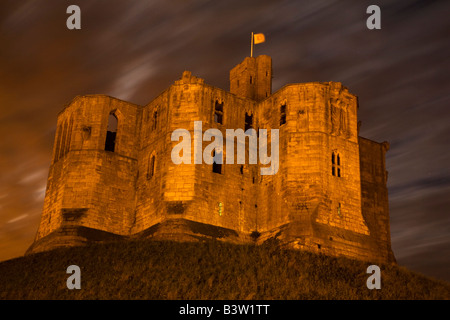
point(259, 38)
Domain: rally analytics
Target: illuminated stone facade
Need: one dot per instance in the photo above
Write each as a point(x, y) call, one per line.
point(112, 176)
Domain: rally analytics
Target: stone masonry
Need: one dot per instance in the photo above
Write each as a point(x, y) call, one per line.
point(112, 177)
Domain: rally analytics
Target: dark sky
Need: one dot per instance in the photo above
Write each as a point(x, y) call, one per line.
point(134, 49)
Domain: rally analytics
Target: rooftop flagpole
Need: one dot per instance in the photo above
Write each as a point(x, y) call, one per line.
point(251, 50)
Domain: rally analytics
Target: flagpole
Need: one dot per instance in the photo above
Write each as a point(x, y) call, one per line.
point(251, 50)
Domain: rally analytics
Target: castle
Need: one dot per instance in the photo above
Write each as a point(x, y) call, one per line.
point(112, 176)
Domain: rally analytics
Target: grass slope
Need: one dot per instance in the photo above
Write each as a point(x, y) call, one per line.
point(211, 270)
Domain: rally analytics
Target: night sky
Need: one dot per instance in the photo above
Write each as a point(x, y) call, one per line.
point(133, 50)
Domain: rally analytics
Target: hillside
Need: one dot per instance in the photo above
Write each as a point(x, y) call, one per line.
point(210, 270)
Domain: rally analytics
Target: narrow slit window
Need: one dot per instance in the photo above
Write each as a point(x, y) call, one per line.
point(282, 114)
point(110, 143)
point(151, 167)
point(218, 112)
point(251, 79)
point(155, 120)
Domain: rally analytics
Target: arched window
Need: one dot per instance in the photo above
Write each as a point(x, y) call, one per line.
point(151, 167)
point(111, 133)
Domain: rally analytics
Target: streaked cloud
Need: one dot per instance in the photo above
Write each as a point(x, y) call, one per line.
point(23, 216)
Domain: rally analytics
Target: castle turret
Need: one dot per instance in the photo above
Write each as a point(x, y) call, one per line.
point(252, 78)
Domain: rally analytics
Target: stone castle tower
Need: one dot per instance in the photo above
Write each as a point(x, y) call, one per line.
point(112, 176)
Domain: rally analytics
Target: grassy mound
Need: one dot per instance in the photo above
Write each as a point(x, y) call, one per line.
point(210, 270)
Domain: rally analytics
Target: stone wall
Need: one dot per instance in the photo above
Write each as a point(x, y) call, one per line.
point(87, 185)
point(375, 193)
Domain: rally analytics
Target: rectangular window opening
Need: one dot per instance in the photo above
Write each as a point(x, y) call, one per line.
point(248, 121)
point(218, 112)
point(282, 114)
point(155, 120)
point(111, 133)
point(216, 167)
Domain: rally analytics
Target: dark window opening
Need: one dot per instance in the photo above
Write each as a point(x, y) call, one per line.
point(336, 164)
point(242, 169)
point(216, 167)
point(111, 132)
point(155, 120)
point(251, 79)
point(218, 112)
point(282, 114)
point(248, 121)
point(151, 167)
